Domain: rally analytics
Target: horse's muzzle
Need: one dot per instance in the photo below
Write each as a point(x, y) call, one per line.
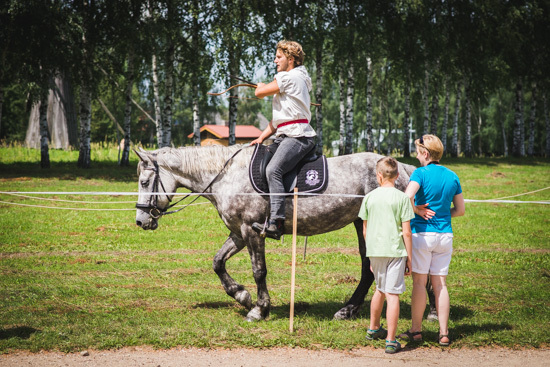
point(146, 221)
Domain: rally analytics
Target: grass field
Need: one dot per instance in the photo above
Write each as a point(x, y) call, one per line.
point(75, 279)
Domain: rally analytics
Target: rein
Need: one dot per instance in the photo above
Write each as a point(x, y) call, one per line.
point(152, 206)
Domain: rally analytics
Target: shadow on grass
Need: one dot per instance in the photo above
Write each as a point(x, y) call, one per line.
point(106, 170)
point(215, 305)
point(459, 332)
point(23, 332)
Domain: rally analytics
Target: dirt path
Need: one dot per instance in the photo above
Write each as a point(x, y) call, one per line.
point(281, 357)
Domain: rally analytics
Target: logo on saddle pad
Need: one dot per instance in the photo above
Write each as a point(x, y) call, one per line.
point(309, 176)
point(312, 177)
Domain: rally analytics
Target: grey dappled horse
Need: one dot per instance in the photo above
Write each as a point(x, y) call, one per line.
point(238, 205)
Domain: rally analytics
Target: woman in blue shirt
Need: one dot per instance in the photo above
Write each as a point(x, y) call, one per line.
point(432, 189)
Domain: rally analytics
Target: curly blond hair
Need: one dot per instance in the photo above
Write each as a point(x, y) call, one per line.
point(292, 49)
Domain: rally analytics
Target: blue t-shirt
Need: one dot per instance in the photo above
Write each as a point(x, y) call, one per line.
point(438, 186)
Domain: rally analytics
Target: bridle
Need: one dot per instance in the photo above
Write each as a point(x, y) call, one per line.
point(152, 204)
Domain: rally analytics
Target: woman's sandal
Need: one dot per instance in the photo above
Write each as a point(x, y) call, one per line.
point(410, 336)
point(442, 343)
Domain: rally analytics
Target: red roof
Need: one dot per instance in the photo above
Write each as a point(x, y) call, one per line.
point(241, 131)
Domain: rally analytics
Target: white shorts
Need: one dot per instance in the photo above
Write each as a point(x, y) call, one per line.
point(389, 273)
point(431, 252)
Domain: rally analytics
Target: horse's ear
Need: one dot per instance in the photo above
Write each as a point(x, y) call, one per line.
point(142, 156)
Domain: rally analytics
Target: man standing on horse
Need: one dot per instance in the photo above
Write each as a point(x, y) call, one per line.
point(290, 124)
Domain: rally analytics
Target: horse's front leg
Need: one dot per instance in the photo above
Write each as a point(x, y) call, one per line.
point(232, 245)
point(256, 249)
point(352, 307)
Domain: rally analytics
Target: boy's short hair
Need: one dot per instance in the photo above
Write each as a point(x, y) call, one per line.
point(387, 167)
point(431, 144)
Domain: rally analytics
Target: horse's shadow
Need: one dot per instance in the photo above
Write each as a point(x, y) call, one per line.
point(325, 310)
point(22, 332)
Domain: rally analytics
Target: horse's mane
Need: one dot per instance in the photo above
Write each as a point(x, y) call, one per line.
point(198, 160)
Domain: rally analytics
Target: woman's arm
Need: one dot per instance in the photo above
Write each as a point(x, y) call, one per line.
point(265, 90)
point(458, 208)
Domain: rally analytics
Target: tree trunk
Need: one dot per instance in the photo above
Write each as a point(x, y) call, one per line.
point(342, 105)
point(369, 139)
point(67, 98)
point(502, 125)
point(517, 142)
point(407, 119)
point(434, 113)
point(479, 122)
point(531, 149)
point(426, 101)
point(468, 148)
point(168, 98)
point(1, 104)
point(349, 110)
point(44, 140)
point(319, 98)
point(196, 120)
point(125, 160)
point(547, 120)
point(445, 116)
point(156, 100)
point(385, 112)
point(84, 160)
point(454, 141)
point(233, 109)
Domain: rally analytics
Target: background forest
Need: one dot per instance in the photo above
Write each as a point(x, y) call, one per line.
point(473, 72)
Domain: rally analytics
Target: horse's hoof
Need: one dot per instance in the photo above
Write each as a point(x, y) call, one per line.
point(243, 297)
point(346, 313)
point(432, 316)
point(254, 315)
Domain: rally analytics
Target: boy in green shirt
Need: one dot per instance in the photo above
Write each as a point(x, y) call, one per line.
point(388, 212)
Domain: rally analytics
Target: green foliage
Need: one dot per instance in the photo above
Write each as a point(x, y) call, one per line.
point(72, 279)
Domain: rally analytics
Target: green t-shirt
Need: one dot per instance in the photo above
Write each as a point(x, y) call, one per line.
point(384, 209)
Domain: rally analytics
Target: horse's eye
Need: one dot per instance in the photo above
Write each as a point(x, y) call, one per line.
point(145, 183)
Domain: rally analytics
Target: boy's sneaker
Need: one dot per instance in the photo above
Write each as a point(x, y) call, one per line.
point(392, 346)
point(379, 333)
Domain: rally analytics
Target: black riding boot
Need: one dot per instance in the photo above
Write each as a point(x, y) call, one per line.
point(274, 228)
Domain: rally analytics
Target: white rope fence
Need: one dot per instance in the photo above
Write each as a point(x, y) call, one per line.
point(26, 195)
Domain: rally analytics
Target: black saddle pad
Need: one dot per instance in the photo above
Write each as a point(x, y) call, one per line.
point(309, 177)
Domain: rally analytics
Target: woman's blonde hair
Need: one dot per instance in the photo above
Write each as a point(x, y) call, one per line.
point(292, 49)
point(431, 144)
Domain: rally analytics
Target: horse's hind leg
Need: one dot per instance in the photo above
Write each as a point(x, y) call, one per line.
point(232, 245)
point(352, 307)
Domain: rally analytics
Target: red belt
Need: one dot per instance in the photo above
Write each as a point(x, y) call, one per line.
point(302, 121)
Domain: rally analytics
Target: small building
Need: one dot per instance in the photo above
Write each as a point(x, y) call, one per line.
point(219, 134)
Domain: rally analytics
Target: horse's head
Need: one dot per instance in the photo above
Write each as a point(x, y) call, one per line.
point(153, 185)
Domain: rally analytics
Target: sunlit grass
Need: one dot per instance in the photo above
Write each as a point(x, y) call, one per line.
point(91, 279)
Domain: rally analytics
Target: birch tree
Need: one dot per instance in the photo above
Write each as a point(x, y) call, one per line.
point(468, 133)
point(454, 138)
point(369, 138)
point(445, 115)
point(532, 120)
point(518, 148)
point(547, 121)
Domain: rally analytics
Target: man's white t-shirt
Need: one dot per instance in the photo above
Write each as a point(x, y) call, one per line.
point(292, 103)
